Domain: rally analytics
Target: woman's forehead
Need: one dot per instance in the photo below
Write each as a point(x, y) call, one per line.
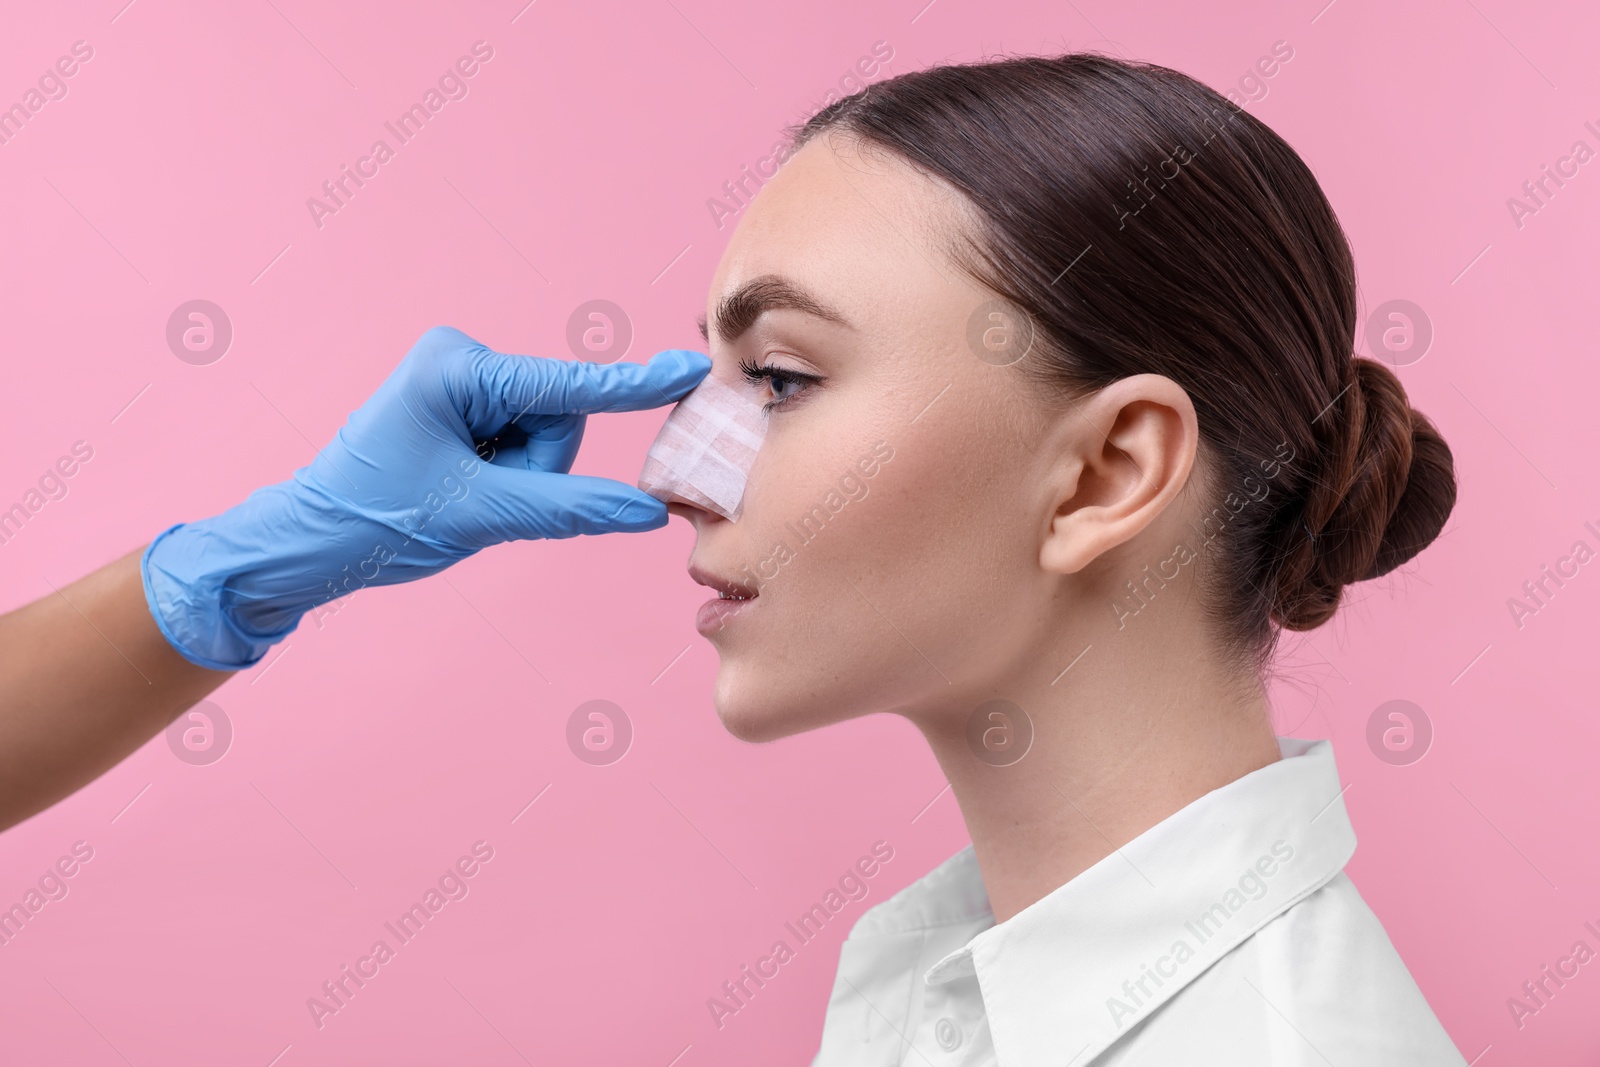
point(846, 227)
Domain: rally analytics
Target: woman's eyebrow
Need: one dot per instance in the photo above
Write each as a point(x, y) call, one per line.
point(739, 310)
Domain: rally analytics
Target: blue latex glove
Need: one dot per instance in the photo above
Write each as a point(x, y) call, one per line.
point(460, 448)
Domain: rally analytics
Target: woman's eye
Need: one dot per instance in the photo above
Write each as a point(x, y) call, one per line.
point(781, 385)
point(784, 385)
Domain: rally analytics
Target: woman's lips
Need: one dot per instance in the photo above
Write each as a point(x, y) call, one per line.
point(715, 614)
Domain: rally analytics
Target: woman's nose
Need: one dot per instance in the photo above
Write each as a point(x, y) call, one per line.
point(703, 453)
point(687, 509)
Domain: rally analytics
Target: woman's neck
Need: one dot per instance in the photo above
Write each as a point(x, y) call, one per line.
point(1137, 729)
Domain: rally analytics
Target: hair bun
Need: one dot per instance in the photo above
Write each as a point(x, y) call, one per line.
point(1381, 496)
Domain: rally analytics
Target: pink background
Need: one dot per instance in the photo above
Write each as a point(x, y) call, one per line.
point(423, 718)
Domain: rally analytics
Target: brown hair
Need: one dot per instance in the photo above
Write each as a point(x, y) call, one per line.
point(1146, 224)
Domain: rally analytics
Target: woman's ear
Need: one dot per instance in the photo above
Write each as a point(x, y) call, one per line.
point(1123, 454)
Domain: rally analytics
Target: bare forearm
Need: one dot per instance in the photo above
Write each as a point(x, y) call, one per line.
point(85, 679)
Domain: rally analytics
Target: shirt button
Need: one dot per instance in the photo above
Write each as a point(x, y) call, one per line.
point(948, 1034)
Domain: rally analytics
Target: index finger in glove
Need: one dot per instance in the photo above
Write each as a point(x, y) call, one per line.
point(493, 388)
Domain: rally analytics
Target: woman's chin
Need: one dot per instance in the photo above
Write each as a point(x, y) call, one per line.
point(754, 721)
point(754, 729)
point(759, 717)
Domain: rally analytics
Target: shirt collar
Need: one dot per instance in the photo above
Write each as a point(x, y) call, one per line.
point(1065, 977)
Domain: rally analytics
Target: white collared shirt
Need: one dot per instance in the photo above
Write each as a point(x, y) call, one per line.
point(1226, 934)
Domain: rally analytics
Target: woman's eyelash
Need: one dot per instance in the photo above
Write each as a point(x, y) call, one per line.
point(778, 376)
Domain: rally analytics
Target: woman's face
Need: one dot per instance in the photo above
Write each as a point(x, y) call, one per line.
point(892, 521)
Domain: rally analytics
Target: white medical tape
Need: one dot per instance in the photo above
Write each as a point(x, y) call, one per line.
point(706, 448)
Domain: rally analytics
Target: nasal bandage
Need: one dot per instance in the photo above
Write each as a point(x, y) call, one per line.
point(706, 448)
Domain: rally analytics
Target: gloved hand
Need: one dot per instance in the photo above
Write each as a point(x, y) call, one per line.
point(460, 448)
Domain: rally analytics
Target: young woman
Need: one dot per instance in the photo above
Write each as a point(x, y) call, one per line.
point(1065, 428)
